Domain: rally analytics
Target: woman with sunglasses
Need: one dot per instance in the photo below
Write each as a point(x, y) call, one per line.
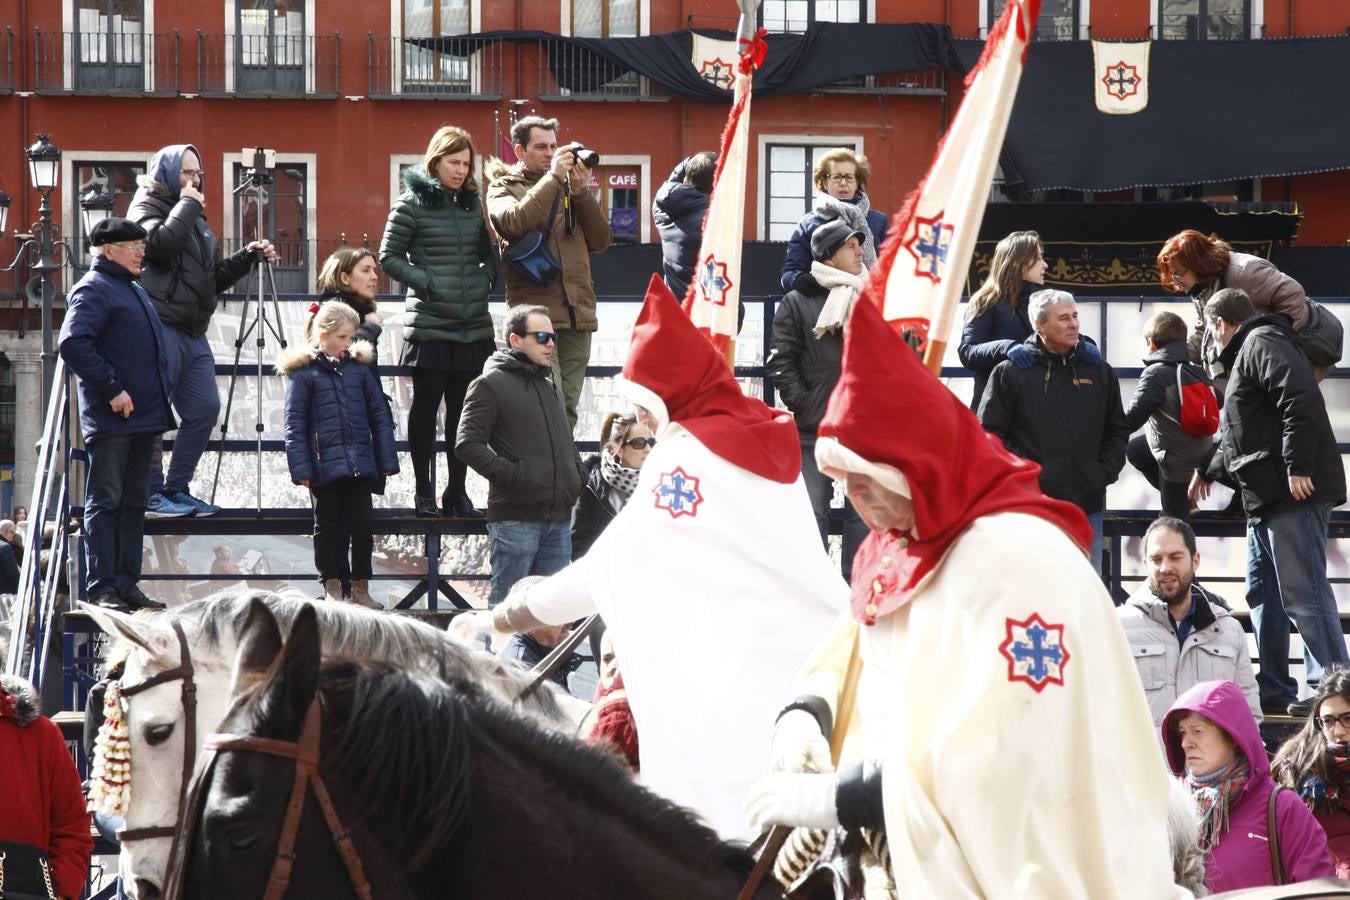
point(611, 476)
point(840, 177)
point(1316, 764)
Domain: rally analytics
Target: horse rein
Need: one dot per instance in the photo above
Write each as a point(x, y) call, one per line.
point(188, 697)
point(305, 753)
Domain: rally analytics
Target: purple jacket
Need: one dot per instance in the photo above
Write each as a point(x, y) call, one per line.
point(1241, 858)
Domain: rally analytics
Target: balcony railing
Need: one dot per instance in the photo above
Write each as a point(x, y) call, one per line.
point(569, 72)
point(261, 65)
point(926, 83)
point(7, 61)
point(131, 62)
point(459, 70)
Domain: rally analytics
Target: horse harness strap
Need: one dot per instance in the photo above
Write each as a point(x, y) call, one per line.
point(305, 752)
point(188, 695)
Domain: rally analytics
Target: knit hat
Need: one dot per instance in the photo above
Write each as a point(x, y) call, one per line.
point(830, 236)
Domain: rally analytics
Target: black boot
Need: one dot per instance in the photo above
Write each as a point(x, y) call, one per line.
point(426, 507)
point(459, 506)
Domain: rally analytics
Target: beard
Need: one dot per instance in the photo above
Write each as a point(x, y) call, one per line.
point(1173, 592)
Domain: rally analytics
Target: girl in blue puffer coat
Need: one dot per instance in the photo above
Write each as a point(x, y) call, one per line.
point(339, 441)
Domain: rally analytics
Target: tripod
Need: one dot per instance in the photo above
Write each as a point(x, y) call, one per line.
point(260, 287)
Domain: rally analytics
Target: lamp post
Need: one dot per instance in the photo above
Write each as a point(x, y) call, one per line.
point(96, 204)
point(43, 248)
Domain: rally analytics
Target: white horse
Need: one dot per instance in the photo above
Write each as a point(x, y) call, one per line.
point(155, 714)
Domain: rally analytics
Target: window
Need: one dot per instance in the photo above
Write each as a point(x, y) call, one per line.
point(110, 36)
point(282, 218)
point(1216, 20)
point(796, 15)
point(270, 46)
point(425, 69)
point(8, 398)
point(604, 18)
point(788, 190)
point(117, 178)
point(1058, 20)
point(617, 189)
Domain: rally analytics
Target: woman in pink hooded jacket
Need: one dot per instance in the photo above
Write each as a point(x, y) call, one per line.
point(1213, 741)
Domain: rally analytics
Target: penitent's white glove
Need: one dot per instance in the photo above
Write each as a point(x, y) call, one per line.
point(798, 745)
point(471, 627)
point(805, 801)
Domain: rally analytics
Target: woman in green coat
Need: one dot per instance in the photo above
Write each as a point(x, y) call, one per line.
point(436, 242)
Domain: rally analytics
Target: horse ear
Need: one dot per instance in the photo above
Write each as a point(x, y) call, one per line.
point(259, 646)
point(294, 678)
point(143, 632)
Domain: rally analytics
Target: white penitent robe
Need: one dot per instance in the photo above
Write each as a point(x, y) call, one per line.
point(715, 588)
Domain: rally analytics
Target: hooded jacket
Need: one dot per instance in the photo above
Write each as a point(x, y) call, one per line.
point(1157, 405)
point(1215, 650)
point(679, 210)
point(368, 331)
point(1064, 414)
point(436, 242)
point(338, 423)
point(804, 367)
point(42, 799)
point(180, 272)
point(1275, 421)
point(513, 431)
point(987, 338)
point(1241, 855)
point(113, 341)
point(519, 200)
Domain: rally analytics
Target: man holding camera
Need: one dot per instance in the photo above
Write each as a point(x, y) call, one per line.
point(548, 190)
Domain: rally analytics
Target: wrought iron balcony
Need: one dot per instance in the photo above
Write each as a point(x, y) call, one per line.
point(268, 65)
point(456, 70)
point(108, 62)
point(926, 83)
point(569, 72)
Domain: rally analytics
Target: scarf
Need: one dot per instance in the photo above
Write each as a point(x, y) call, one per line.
point(1326, 796)
point(844, 290)
point(618, 476)
point(1214, 794)
point(854, 213)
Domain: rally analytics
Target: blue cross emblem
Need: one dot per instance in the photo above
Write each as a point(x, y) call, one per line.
point(678, 494)
point(929, 245)
point(714, 280)
point(1035, 652)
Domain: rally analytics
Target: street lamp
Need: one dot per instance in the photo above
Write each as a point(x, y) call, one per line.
point(95, 205)
point(43, 249)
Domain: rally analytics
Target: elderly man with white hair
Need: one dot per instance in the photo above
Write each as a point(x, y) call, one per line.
point(1062, 411)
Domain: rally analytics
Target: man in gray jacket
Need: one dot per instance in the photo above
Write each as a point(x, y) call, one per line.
point(1180, 634)
point(514, 432)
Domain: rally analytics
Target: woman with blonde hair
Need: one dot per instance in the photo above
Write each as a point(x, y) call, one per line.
point(436, 242)
point(840, 178)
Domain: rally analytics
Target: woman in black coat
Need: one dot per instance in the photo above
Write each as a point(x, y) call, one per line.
point(612, 474)
point(996, 317)
point(350, 274)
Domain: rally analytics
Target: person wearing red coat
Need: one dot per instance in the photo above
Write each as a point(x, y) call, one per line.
point(40, 789)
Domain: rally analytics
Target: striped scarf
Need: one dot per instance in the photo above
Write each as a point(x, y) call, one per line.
point(1214, 794)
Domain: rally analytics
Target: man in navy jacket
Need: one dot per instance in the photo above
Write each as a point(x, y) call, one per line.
point(113, 341)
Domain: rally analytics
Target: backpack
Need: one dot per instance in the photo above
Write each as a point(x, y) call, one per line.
point(1199, 413)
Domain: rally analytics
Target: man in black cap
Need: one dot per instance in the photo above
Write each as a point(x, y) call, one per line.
point(805, 355)
point(113, 341)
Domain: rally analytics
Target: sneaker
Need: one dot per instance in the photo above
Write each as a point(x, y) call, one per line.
point(1301, 708)
point(161, 507)
point(200, 507)
point(136, 599)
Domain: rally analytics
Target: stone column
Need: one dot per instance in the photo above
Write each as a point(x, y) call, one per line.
point(28, 417)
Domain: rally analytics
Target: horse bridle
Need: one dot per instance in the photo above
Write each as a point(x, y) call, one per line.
point(305, 752)
point(188, 697)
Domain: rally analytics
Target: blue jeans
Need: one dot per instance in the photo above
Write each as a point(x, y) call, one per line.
point(1095, 551)
point(196, 400)
point(526, 548)
point(1287, 579)
point(114, 510)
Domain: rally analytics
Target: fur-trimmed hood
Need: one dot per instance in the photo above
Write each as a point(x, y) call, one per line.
point(429, 193)
point(292, 359)
point(24, 698)
point(494, 168)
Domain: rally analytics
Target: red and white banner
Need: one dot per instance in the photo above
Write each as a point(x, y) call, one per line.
point(922, 268)
point(715, 290)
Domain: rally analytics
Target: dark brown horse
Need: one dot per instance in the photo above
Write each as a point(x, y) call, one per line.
point(443, 793)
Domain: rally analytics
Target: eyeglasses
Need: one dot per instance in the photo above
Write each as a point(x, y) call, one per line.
point(1327, 722)
point(130, 245)
point(193, 174)
point(546, 337)
point(843, 179)
point(640, 443)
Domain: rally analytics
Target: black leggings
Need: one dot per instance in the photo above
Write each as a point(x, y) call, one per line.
point(430, 388)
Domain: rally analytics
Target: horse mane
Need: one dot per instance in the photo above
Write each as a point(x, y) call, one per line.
point(350, 632)
point(403, 732)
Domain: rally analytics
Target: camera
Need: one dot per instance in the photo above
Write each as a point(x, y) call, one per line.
point(588, 158)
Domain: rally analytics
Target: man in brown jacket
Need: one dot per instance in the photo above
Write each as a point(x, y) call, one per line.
point(547, 177)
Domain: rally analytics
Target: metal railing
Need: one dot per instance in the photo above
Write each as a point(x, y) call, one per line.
point(924, 83)
point(461, 70)
point(66, 62)
point(277, 65)
point(7, 61)
point(569, 72)
point(33, 615)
